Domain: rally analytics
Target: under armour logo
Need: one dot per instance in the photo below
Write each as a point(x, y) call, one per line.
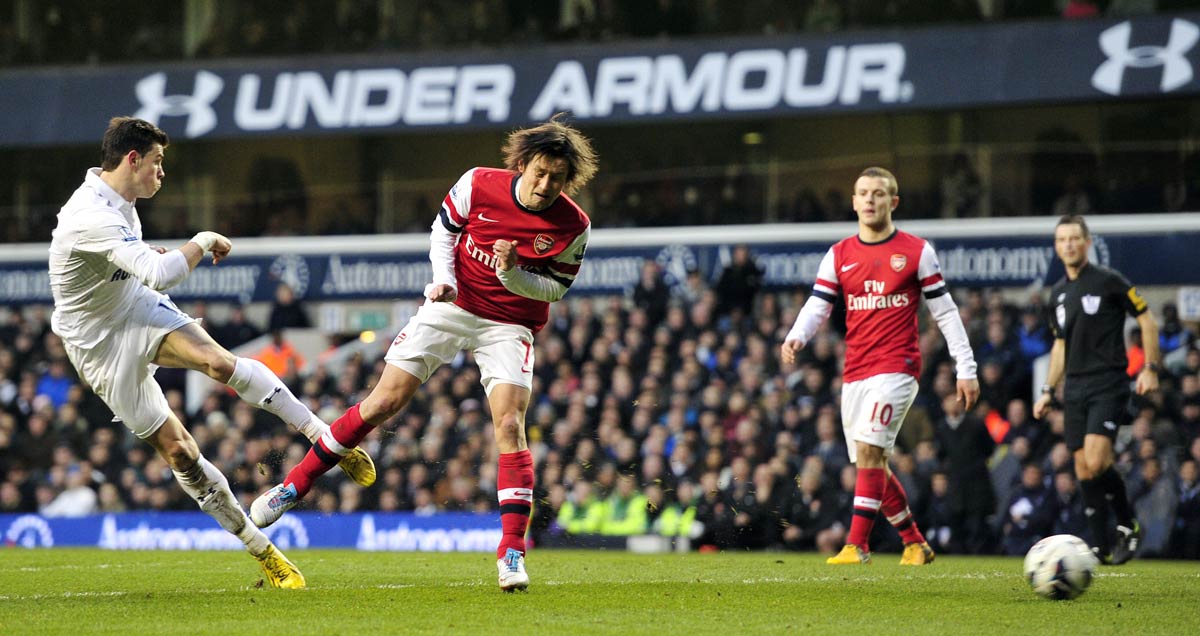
point(197, 106)
point(1177, 70)
point(201, 498)
point(267, 400)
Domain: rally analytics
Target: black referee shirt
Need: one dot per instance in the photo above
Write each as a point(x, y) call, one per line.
point(1089, 314)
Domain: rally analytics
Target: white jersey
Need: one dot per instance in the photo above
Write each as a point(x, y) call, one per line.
point(99, 266)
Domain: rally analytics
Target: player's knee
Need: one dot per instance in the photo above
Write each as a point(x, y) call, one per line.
point(508, 427)
point(181, 453)
point(1097, 465)
point(1088, 468)
point(378, 409)
point(218, 363)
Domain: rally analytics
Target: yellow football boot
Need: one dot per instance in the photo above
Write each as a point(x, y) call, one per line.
point(917, 554)
point(850, 555)
point(279, 571)
point(358, 466)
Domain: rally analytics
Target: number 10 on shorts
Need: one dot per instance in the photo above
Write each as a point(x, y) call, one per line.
point(881, 415)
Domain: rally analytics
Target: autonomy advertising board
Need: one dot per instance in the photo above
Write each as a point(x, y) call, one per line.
point(401, 532)
point(331, 275)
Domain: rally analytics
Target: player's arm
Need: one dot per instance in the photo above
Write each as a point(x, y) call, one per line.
point(945, 313)
point(1147, 380)
point(548, 284)
point(949, 322)
point(1058, 365)
point(443, 237)
point(1136, 306)
point(158, 270)
point(815, 312)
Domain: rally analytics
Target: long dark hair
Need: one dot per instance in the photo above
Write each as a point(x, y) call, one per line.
point(553, 139)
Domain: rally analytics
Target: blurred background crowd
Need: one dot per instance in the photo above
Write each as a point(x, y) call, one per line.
point(663, 411)
point(1115, 157)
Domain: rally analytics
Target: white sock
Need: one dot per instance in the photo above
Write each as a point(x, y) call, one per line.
point(208, 486)
point(255, 384)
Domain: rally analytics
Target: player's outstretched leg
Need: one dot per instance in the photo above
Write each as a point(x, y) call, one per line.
point(260, 387)
point(895, 508)
point(210, 489)
point(514, 485)
point(332, 447)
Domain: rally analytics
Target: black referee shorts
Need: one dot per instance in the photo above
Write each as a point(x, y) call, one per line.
point(1094, 405)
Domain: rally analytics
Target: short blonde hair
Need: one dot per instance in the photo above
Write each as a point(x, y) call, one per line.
point(883, 173)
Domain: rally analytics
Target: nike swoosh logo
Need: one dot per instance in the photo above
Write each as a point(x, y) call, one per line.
point(846, 268)
point(481, 217)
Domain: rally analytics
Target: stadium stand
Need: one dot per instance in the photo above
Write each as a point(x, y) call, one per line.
point(662, 411)
point(721, 414)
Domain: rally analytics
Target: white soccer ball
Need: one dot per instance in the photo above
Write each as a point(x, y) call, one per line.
point(1060, 567)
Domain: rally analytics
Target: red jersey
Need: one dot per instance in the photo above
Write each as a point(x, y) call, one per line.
point(483, 208)
point(882, 285)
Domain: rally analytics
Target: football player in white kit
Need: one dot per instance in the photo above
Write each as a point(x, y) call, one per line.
point(116, 325)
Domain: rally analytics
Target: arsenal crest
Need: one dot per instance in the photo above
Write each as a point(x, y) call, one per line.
point(542, 243)
point(899, 261)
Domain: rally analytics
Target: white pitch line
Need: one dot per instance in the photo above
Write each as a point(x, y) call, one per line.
point(223, 590)
point(100, 566)
point(553, 583)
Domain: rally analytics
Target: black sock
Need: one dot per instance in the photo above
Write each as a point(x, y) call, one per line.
point(1114, 487)
point(1096, 510)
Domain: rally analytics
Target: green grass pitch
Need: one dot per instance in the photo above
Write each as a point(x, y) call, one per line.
point(90, 591)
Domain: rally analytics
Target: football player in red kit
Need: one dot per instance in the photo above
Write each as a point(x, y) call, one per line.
point(881, 273)
point(507, 243)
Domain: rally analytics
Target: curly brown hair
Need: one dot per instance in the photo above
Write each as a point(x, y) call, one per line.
point(553, 139)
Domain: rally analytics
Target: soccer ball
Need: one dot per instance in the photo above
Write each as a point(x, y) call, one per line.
point(1060, 567)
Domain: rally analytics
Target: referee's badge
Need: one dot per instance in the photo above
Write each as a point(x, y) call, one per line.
point(1060, 313)
point(1091, 304)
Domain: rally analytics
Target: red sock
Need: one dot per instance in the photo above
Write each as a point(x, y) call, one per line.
point(895, 508)
point(868, 494)
point(345, 433)
point(349, 430)
point(515, 485)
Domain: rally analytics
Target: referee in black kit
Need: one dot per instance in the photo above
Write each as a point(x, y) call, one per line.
point(1090, 304)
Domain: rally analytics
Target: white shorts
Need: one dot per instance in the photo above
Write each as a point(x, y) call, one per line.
point(874, 408)
point(119, 367)
point(439, 331)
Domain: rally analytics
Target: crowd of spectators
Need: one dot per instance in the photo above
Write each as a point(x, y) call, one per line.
point(664, 411)
point(80, 32)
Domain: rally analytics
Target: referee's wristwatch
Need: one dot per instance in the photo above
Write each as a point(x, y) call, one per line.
point(1047, 389)
point(1154, 367)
